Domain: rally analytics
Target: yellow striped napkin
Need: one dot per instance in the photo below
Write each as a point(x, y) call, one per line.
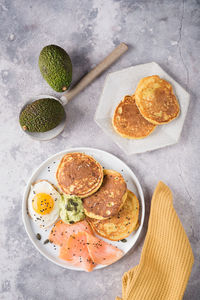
point(166, 259)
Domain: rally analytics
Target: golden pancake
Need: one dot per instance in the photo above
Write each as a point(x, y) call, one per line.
point(156, 101)
point(128, 121)
point(122, 224)
point(108, 200)
point(79, 174)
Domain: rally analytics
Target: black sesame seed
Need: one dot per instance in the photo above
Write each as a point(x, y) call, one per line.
point(38, 236)
point(46, 241)
point(123, 240)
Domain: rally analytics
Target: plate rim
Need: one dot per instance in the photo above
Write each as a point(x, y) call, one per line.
point(27, 188)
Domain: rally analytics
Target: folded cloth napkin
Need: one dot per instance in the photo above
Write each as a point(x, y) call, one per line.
point(166, 259)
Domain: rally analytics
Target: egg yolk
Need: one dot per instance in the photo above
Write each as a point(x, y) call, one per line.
point(42, 203)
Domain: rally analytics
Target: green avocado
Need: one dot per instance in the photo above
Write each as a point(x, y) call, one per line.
point(41, 115)
point(56, 67)
point(71, 209)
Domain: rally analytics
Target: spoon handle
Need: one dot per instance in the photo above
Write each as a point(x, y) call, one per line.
point(94, 73)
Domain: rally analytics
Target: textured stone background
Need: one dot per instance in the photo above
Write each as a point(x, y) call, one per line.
point(167, 32)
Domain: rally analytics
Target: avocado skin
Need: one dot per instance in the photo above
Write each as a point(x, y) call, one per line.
point(41, 115)
point(56, 67)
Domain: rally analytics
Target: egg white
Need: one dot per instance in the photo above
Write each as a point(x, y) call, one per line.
point(47, 220)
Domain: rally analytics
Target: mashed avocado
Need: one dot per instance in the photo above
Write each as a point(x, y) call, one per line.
point(71, 209)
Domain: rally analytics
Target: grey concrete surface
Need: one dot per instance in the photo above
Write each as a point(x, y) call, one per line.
point(167, 32)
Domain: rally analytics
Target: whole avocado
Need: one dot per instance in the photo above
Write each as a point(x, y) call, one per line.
point(41, 115)
point(56, 67)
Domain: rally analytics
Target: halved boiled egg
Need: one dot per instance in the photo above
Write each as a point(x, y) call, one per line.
point(43, 205)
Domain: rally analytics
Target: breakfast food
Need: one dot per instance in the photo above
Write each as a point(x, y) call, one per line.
point(41, 115)
point(76, 253)
point(80, 247)
point(101, 252)
point(128, 122)
point(79, 174)
point(71, 209)
point(61, 231)
point(115, 209)
point(120, 225)
point(153, 103)
point(84, 250)
point(156, 101)
point(43, 205)
point(109, 198)
point(56, 67)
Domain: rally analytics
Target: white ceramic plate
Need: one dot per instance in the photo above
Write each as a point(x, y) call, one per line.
point(47, 170)
point(124, 82)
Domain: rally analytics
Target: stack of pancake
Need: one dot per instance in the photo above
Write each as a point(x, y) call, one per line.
point(110, 208)
point(153, 103)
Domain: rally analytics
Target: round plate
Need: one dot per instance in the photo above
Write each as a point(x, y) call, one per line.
point(47, 170)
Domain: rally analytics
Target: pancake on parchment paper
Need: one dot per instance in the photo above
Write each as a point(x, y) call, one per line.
point(109, 199)
point(122, 224)
point(156, 101)
point(128, 121)
point(79, 174)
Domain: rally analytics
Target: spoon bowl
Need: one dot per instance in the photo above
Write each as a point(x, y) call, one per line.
point(50, 134)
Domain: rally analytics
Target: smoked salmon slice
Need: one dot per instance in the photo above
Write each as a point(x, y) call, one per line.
point(61, 231)
point(102, 252)
point(80, 248)
point(75, 251)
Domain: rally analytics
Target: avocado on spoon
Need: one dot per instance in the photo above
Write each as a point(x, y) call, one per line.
point(54, 106)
